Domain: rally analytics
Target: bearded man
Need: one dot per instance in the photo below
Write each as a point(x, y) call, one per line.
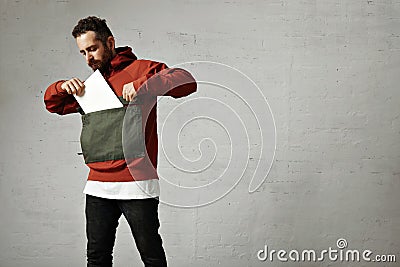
point(116, 185)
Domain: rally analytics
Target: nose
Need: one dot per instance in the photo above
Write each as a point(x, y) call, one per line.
point(88, 58)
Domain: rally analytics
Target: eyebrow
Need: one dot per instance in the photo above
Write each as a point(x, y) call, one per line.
point(87, 48)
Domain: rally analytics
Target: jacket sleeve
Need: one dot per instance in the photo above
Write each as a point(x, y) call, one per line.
point(161, 80)
point(59, 101)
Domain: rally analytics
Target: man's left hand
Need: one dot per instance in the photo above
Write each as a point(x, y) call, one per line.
point(128, 91)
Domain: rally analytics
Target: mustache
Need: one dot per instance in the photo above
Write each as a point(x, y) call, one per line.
point(102, 63)
point(94, 62)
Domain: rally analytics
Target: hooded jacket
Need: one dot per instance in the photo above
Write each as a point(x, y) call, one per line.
point(150, 79)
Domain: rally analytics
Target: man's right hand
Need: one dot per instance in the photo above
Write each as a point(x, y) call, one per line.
point(73, 86)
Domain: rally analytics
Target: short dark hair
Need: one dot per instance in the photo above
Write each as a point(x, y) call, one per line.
point(92, 23)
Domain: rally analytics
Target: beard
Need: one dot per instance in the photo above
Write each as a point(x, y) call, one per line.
point(104, 64)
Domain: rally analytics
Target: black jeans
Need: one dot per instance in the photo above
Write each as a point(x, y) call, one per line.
point(102, 217)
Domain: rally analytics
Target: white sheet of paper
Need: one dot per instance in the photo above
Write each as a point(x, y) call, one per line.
point(98, 95)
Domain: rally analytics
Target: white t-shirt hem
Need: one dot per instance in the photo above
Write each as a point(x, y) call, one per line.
point(123, 190)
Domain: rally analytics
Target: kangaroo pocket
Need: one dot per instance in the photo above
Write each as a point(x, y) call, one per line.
point(102, 131)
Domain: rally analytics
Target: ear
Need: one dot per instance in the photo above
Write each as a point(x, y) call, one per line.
point(111, 43)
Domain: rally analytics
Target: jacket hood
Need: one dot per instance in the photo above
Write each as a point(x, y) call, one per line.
point(124, 56)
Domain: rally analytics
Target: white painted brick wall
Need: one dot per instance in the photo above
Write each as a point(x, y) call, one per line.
point(330, 71)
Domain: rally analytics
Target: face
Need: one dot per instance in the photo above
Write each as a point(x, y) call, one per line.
point(97, 55)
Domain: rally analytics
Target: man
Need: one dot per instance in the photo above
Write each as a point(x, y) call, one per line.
point(118, 184)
